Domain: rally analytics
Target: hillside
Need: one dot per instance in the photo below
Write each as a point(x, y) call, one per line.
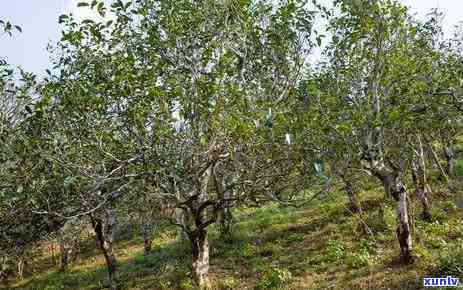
point(273, 246)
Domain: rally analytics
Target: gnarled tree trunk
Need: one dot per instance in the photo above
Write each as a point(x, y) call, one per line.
point(450, 160)
point(421, 190)
point(105, 231)
point(20, 269)
point(390, 180)
point(65, 251)
point(352, 194)
point(180, 219)
point(197, 208)
point(147, 229)
point(201, 258)
point(225, 219)
point(403, 228)
point(443, 173)
point(3, 267)
point(147, 240)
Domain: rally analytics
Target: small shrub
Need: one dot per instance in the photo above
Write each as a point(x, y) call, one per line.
point(361, 259)
point(449, 206)
point(335, 251)
point(295, 238)
point(187, 284)
point(270, 249)
point(228, 283)
point(164, 284)
point(451, 260)
point(364, 257)
point(275, 278)
point(423, 254)
point(436, 243)
point(437, 229)
point(223, 249)
point(369, 246)
point(379, 223)
point(247, 251)
point(439, 215)
point(459, 168)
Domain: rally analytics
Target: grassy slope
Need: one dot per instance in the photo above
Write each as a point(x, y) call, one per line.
point(316, 247)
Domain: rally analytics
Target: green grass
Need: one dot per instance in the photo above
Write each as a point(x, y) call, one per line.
point(319, 246)
point(459, 168)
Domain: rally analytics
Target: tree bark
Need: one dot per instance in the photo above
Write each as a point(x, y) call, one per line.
point(105, 233)
point(450, 160)
point(4, 267)
point(147, 228)
point(354, 203)
point(421, 190)
point(201, 258)
point(65, 251)
point(20, 265)
point(225, 218)
point(180, 219)
point(198, 237)
point(52, 251)
point(225, 223)
point(403, 228)
point(390, 178)
point(147, 245)
point(443, 174)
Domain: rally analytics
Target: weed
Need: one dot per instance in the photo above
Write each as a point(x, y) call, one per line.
point(270, 249)
point(335, 251)
point(187, 284)
point(365, 256)
point(361, 259)
point(275, 278)
point(459, 168)
point(451, 260)
point(228, 283)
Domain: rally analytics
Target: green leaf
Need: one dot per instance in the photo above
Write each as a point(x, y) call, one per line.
point(62, 18)
point(88, 21)
point(82, 4)
point(68, 181)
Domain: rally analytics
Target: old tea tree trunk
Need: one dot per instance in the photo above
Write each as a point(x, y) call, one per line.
point(105, 230)
point(421, 189)
point(197, 219)
point(403, 228)
point(390, 179)
point(147, 228)
point(201, 258)
point(200, 249)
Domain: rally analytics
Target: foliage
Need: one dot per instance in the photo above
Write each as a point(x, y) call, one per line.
point(173, 111)
point(335, 251)
point(364, 256)
point(459, 168)
point(360, 259)
point(451, 260)
point(275, 278)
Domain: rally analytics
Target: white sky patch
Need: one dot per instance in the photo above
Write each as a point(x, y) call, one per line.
point(419, 9)
point(451, 8)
